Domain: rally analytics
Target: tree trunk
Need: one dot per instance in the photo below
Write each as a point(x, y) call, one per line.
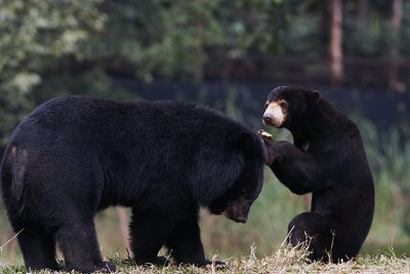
point(336, 42)
point(362, 14)
point(394, 52)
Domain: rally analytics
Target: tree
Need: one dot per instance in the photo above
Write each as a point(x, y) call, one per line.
point(34, 33)
point(394, 43)
point(336, 40)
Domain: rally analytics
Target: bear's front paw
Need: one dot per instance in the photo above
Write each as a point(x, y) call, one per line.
point(217, 264)
point(265, 136)
point(157, 261)
point(207, 263)
point(106, 266)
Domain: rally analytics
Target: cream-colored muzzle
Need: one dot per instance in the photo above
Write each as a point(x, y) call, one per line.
point(274, 115)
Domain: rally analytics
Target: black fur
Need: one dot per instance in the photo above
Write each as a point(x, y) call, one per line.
point(74, 156)
point(328, 159)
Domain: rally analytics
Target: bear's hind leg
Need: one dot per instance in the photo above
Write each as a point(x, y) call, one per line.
point(38, 248)
point(149, 230)
point(78, 241)
point(185, 242)
point(315, 230)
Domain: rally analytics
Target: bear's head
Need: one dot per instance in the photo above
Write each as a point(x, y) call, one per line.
point(290, 107)
point(236, 202)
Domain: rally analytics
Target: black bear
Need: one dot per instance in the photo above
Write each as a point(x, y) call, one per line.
point(327, 159)
point(74, 156)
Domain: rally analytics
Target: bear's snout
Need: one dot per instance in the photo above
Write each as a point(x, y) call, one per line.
point(274, 115)
point(237, 211)
point(235, 217)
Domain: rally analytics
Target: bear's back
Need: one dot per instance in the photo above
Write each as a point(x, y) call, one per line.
point(92, 112)
point(85, 123)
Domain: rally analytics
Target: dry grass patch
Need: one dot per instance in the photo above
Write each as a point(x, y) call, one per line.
point(284, 260)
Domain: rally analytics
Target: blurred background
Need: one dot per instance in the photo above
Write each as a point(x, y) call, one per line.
point(229, 55)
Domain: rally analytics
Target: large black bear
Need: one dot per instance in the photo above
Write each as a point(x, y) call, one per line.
point(328, 159)
point(74, 156)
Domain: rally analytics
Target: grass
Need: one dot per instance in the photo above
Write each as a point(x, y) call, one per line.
point(284, 260)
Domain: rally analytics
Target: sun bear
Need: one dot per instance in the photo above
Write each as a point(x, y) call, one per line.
point(327, 159)
point(74, 156)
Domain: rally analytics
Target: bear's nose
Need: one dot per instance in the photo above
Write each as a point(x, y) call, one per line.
point(267, 120)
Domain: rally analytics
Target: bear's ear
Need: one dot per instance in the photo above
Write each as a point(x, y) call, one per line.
point(316, 95)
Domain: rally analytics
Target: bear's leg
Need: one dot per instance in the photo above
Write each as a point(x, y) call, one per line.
point(149, 230)
point(78, 241)
point(185, 242)
point(38, 249)
point(315, 230)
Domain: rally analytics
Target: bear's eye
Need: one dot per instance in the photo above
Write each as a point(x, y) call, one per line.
point(283, 103)
point(266, 104)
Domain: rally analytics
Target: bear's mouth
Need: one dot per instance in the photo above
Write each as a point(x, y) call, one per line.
point(274, 114)
point(238, 219)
